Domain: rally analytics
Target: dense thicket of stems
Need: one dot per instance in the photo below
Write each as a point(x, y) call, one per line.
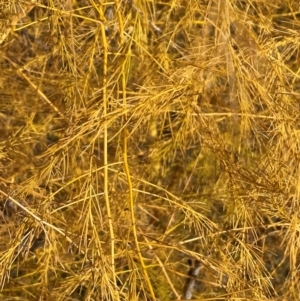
point(149, 150)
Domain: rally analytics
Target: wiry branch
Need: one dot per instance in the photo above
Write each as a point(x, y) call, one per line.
point(191, 281)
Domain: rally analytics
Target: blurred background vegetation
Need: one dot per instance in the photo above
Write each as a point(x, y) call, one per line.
point(149, 150)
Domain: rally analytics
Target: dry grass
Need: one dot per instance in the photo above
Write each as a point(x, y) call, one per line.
point(149, 150)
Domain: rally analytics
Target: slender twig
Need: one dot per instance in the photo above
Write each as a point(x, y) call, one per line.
point(191, 281)
point(105, 151)
point(125, 155)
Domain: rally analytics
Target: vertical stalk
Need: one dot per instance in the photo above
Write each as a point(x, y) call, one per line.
point(125, 152)
point(105, 147)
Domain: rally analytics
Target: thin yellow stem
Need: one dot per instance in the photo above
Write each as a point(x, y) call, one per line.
point(125, 155)
point(105, 147)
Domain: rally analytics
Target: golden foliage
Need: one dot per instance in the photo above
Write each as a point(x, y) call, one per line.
point(149, 150)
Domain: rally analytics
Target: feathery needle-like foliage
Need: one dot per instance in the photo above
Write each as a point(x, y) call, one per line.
point(149, 150)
